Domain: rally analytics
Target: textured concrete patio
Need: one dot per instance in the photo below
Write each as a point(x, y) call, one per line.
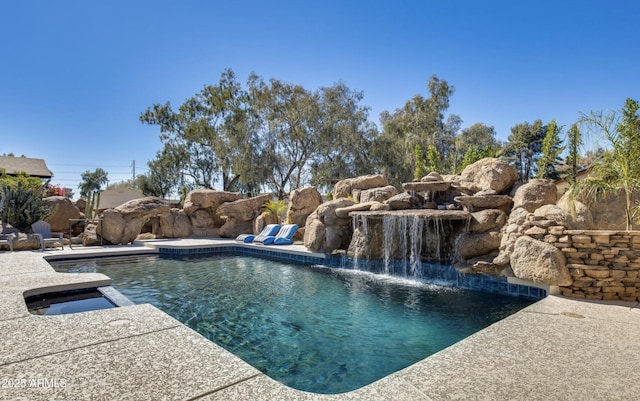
point(555, 349)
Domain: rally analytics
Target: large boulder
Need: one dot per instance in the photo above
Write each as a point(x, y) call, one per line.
point(240, 215)
point(577, 214)
point(201, 218)
point(427, 186)
point(432, 176)
point(175, 224)
point(208, 199)
point(325, 231)
point(343, 212)
point(143, 208)
point(539, 262)
point(470, 245)
point(124, 223)
point(315, 235)
point(487, 220)
point(81, 204)
point(302, 202)
point(490, 174)
point(112, 226)
point(405, 201)
point(201, 206)
point(510, 234)
point(326, 212)
point(554, 213)
point(534, 194)
point(62, 211)
point(378, 194)
point(476, 203)
point(344, 188)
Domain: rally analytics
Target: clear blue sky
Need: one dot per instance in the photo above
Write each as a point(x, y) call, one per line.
point(75, 75)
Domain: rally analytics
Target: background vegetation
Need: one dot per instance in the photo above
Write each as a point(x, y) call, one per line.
point(271, 135)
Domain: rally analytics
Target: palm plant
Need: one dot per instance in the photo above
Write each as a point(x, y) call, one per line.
point(619, 169)
point(276, 208)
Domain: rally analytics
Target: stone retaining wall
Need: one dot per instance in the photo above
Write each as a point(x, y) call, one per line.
point(604, 265)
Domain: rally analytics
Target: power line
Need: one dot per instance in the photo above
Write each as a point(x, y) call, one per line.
point(86, 165)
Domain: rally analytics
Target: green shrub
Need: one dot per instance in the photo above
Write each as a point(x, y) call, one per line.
point(22, 205)
point(276, 208)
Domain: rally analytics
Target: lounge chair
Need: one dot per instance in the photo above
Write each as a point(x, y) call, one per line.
point(268, 230)
point(7, 239)
point(42, 230)
point(284, 236)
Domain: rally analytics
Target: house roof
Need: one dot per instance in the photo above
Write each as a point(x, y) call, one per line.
point(33, 167)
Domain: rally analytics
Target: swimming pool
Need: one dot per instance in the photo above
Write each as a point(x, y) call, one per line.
point(313, 328)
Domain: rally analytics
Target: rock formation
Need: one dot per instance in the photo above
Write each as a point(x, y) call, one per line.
point(240, 215)
point(379, 194)
point(175, 224)
point(528, 198)
point(62, 211)
point(346, 187)
point(302, 202)
point(201, 206)
point(123, 224)
point(489, 174)
point(325, 230)
point(539, 262)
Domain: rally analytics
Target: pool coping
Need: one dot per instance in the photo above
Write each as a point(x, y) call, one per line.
point(555, 348)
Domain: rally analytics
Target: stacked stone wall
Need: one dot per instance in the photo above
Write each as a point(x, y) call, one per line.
point(604, 265)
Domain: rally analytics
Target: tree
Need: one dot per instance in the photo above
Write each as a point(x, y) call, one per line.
point(433, 158)
point(574, 137)
point(619, 169)
point(550, 152)
point(524, 146)
point(479, 140)
point(212, 134)
point(344, 144)
point(165, 174)
point(421, 163)
point(310, 136)
point(92, 181)
point(27, 181)
point(421, 121)
point(291, 123)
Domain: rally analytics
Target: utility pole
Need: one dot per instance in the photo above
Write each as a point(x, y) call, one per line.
point(133, 164)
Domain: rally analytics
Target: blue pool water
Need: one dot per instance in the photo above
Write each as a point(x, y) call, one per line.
point(66, 302)
point(313, 328)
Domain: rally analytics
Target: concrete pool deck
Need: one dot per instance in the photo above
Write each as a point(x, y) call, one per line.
point(557, 348)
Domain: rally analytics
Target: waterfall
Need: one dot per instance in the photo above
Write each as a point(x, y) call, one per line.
point(388, 228)
point(439, 231)
point(417, 228)
point(403, 238)
point(360, 223)
point(396, 243)
point(402, 234)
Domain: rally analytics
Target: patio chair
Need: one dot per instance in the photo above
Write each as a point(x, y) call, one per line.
point(284, 236)
point(42, 230)
point(7, 239)
point(269, 229)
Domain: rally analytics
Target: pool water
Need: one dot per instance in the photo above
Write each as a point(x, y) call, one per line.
point(66, 302)
point(313, 328)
